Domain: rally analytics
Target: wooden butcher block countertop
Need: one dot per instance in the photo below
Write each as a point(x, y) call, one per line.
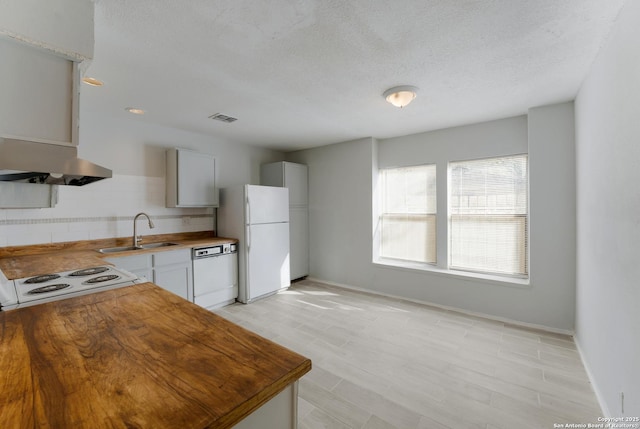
point(134, 357)
point(27, 261)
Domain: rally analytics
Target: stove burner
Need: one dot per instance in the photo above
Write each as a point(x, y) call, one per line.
point(41, 279)
point(101, 279)
point(49, 288)
point(89, 272)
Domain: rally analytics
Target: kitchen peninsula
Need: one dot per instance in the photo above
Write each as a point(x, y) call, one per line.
point(139, 357)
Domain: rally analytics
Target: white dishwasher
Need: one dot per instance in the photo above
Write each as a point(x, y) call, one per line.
point(215, 275)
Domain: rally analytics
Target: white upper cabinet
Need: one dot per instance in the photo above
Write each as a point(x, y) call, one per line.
point(39, 95)
point(288, 175)
point(191, 179)
point(62, 27)
point(42, 45)
point(27, 196)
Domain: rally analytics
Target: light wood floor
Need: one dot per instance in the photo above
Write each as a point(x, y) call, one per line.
point(387, 363)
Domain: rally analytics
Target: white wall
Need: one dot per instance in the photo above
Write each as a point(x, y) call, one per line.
point(341, 225)
point(608, 211)
point(132, 146)
point(135, 151)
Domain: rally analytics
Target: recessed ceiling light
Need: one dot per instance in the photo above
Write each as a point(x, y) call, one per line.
point(92, 81)
point(135, 110)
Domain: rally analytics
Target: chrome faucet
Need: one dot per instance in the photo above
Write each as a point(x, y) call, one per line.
point(137, 239)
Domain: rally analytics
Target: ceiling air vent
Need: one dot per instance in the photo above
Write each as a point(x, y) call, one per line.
point(223, 118)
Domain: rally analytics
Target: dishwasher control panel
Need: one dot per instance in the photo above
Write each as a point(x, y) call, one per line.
point(222, 249)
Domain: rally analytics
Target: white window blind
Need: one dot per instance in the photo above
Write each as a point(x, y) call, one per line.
point(408, 220)
point(488, 215)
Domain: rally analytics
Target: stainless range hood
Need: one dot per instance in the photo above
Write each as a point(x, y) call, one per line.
point(32, 162)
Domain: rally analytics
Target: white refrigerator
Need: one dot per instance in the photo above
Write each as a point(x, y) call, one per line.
point(294, 177)
point(258, 216)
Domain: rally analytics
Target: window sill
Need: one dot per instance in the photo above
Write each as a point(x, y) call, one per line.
point(463, 275)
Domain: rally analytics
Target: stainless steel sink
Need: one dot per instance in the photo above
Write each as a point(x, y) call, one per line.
point(141, 247)
point(156, 245)
point(118, 249)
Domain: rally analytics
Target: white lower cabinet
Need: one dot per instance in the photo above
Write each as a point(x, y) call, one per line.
point(279, 412)
point(171, 270)
point(140, 265)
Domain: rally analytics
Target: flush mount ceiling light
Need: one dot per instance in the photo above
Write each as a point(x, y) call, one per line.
point(400, 96)
point(92, 81)
point(135, 110)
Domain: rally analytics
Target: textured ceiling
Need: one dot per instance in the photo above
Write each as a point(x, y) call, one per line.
point(305, 73)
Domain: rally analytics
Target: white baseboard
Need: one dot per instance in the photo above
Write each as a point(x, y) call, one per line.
point(449, 308)
point(603, 404)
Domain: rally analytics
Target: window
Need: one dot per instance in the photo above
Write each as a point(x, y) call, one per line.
point(488, 215)
point(408, 220)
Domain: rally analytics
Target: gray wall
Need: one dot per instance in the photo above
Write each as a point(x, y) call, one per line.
point(340, 188)
point(608, 207)
point(488, 139)
point(342, 178)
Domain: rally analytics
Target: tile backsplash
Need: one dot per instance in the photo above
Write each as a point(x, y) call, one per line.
point(103, 209)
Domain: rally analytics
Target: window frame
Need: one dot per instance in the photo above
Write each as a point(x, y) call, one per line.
point(442, 266)
point(526, 239)
point(430, 223)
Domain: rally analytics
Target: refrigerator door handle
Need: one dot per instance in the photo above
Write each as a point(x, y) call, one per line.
point(248, 223)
